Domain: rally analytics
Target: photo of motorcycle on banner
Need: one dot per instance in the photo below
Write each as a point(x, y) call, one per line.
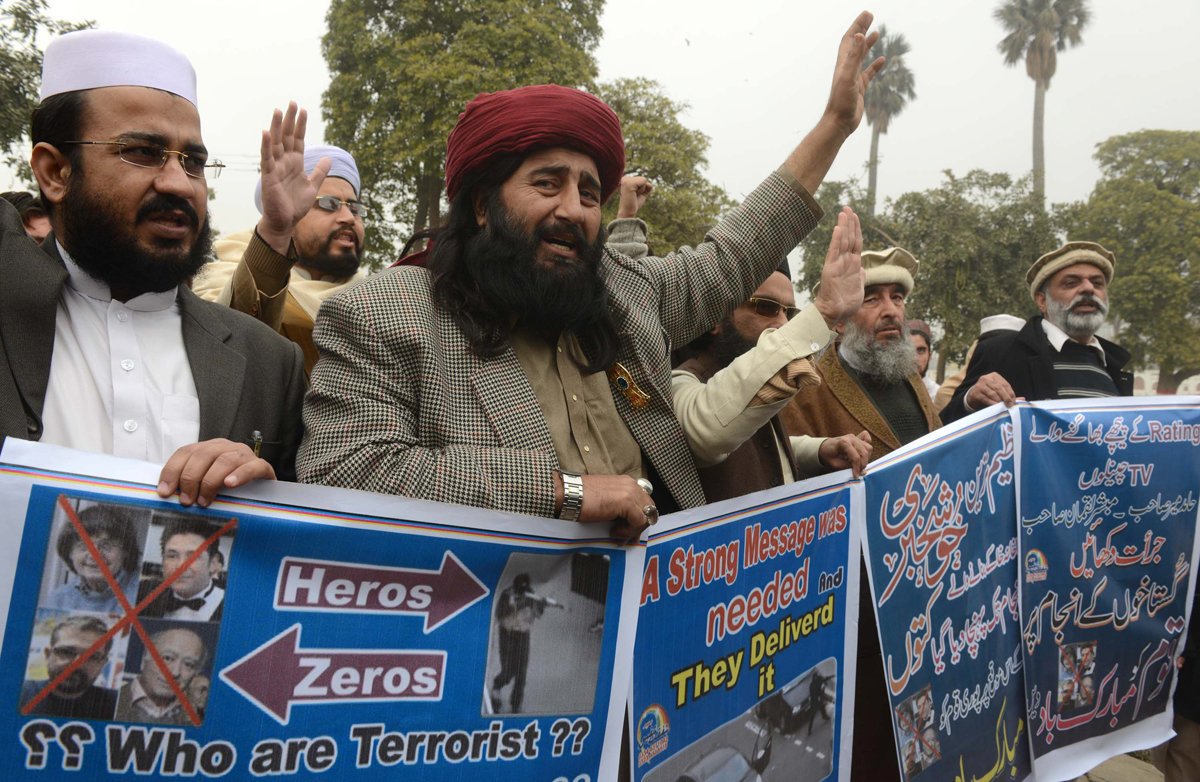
point(744, 651)
point(301, 632)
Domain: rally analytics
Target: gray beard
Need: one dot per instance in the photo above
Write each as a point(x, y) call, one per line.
point(1078, 325)
point(886, 363)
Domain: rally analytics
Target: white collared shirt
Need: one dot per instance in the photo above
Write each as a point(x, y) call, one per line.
point(120, 381)
point(212, 601)
point(1058, 338)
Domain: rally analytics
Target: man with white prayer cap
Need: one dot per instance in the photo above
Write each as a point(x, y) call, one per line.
point(102, 346)
point(308, 244)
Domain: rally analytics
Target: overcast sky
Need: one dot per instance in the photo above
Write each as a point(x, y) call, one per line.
point(755, 74)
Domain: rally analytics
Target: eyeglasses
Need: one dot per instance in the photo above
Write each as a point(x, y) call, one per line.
point(333, 203)
point(144, 155)
point(769, 308)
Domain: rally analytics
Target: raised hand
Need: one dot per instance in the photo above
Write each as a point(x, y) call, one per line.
point(847, 96)
point(634, 191)
point(842, 276)
point(287, 191)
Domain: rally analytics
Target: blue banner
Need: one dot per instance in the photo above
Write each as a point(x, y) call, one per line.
point(268, 636)
point(942, 547)
point(743, 659)
point(1108, 510)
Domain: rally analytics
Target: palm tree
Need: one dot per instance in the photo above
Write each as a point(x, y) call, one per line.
point(1037, 31)
point(887, 95)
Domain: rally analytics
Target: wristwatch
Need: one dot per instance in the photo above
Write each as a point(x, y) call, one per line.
point(572, 502)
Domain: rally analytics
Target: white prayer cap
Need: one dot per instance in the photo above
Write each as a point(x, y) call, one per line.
point(89, 59)
point(343, 167)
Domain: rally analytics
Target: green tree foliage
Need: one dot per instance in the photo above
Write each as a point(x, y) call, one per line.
point(402, 70)
point(974, 236)
point(1146, 209)
point(887, 95)
point(684, 204)
point(25, 29)
point(1036, 30)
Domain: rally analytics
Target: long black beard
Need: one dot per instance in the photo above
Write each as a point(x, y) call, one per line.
point(93, 236)
point(566, 297)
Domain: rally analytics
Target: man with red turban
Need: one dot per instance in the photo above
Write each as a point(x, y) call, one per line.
point(520, 364)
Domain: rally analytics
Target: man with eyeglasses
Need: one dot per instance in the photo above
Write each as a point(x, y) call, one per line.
point(77, 695)
point(102, 346)
point(308, 244)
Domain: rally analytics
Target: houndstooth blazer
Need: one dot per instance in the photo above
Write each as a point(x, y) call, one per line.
point(399, 404)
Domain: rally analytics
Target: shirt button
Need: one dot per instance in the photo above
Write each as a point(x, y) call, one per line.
point(560, 348)
point(131, 425)
point(815, 346)
point(127, 365)
point(587, 449)
point(122, 316)
point(574, 398)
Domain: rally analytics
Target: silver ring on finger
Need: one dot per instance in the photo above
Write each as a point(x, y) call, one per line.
point(646, 485)
point(651, 514)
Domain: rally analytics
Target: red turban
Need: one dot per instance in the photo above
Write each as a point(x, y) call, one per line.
point(544, 115)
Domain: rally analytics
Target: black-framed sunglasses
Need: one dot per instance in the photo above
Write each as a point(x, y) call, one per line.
point(333, 203)
point(145, 155)
point(769, 308)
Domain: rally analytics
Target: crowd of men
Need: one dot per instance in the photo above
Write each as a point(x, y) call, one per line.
point(521, 361)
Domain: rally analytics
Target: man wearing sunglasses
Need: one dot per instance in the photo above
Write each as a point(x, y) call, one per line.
point(102, 346)
point(308, 244)
point(731, 383)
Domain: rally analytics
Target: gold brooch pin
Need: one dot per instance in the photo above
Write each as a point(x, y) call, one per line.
point(620, 377)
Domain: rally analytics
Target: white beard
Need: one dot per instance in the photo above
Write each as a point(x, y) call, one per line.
point(885, 362)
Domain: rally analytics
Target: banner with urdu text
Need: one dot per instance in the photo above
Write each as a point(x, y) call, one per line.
point(1107, 505)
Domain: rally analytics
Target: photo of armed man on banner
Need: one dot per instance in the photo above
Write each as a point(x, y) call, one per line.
point(547, 629)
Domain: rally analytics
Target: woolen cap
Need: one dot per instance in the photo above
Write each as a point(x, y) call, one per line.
point(89, 59)
point(536, 117)
point(1069, 254)
point(894, 265)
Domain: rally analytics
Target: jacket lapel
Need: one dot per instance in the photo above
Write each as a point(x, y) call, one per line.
point(33, 280)
point(217, 369)
point(511, 408)
point(855, 400)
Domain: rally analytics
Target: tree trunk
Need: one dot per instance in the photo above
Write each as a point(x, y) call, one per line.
point(419, 219)
point(872, 170)
point(1039, 143)
point(1169, 380)
point(433, 181)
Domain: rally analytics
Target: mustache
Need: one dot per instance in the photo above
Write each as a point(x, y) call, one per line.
point(165, 202)
point(333, 235)
point(554, 228)
point(1087, 298)
point(888, 322)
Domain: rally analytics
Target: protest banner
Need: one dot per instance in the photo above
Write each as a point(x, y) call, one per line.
point(300, 631)
point(1107, 499)
point(744, 654)
point(941, 545)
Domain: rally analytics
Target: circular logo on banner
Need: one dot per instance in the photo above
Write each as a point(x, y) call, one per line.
point(1035, 566)
point(652, 729)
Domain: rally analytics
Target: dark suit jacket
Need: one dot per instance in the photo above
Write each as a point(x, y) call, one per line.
point(1025, 359)
point(247, 376)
